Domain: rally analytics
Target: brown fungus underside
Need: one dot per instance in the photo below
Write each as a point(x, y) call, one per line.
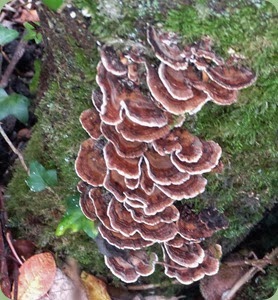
point(139, 159)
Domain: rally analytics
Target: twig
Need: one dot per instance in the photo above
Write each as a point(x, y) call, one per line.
point(15, 281)
point(251, 262)
point(5, 56)
point(6, 138)
point(268, 259)
point(9, 240)
point(168, 265)
point(5, 283)
point(144, 287)
point(19, 51)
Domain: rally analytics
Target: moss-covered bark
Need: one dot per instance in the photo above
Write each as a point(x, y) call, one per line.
point(65, 91)
point(246, 130)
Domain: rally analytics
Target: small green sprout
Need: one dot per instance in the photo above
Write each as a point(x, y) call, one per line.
point(75, 221)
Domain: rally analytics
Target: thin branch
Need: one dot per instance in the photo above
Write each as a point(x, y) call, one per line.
point(6, 138)
point(268, 259)
point(19, 51)
point(5, 283)
point(251, 262)
point(9, 240)
point(144, 287)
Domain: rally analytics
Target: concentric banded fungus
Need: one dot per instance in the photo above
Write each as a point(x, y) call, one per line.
point(174, 81)
point(196, 227)
point(90, 165)
point(121, 220)
point(139, 158)
point(166, 48)
point(123, 147)
point(208, 265)
point(127, 167)
point(231, 77)
point(188, 255)
point(112, 62)
point(169, 215)
point(131, 267)
point(90, 121)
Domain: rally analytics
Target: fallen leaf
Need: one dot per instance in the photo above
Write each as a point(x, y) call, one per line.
point(36, 276)
point(63, 288)
point(28, 16)
point(95, 288)
point(213, 287)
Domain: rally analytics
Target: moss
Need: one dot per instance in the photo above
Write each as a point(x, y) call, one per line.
point(246, 130)
point(55, 143)
point(120, 21)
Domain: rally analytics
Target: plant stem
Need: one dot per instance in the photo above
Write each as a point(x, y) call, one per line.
point(6, 138)
point(19, 51)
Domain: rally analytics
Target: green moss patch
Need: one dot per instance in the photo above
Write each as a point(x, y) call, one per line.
point(246, 130)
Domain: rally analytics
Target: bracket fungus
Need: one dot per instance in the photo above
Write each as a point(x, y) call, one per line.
point(140, 164)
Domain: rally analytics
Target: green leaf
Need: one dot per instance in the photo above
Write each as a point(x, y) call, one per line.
point(14, 104)
point(7, 35)
point(31, 33)
point(74, 220)
point(53, 4)
point(40, 178)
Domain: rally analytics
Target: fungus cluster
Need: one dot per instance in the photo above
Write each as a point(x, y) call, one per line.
point(140, 162)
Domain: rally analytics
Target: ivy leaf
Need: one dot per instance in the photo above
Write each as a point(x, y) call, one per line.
point(74, 220)
point(14, 104)
point(53, 4)
point(40, 178)
point(7, 35)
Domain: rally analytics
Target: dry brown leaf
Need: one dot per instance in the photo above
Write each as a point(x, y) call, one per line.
point(95, 288)
point(213, 287)
point(36, 276)
point(28, 16)
point(63, 288)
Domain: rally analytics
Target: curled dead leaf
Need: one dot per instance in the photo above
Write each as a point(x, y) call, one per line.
point(64, 288)
point(95, 288)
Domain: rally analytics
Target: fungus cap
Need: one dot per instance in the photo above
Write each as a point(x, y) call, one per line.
point(90, 165)
point(166, 48)
point(112, 61)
